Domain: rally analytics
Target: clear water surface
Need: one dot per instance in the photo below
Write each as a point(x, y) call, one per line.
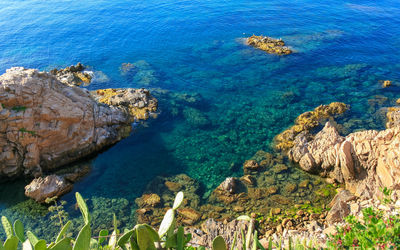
point(224, 100)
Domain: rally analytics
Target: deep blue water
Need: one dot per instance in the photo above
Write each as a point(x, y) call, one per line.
point(243, 96)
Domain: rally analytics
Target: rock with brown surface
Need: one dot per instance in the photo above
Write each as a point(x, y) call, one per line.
point(45, 124)
point(306, 122)
point(41, 188)
point(250, 166)
point(190, 216)
point(148, 200)
point(364, 161)
point(269, 45)
point(74, 75)
point(340, 206)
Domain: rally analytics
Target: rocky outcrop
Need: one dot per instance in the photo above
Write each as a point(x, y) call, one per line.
point(307, 122)
point(41, 188)
point(45, 124)
point(364, 161)
point(74, 75)
point(269, 45)
point(340, 206)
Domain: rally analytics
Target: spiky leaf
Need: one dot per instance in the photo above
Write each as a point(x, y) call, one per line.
point(32, 238)
point(7, 227)
point(64, 229)
point(166, 223)
point(19, 230)
point(64, 244)
point(11, 243)
point(219, 243)
point(83, 240)
point(178, 200)
point(83, 207)
point(102, 236)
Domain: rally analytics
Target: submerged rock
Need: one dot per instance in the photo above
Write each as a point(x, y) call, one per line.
point(41, 188)
point(269, 45)
point(45, 124)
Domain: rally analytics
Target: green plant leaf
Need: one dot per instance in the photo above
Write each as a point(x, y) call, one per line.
point(219, 243)
point(11, 243)
point(178, 200)
point(133, 241)
point(26, 245)
point(83, 240)
point(7, 227)
point(40, 245)
point(64, 229)
point(19, 230)
point(64, 244)
point(180, 238)
point(234, 241)
point(152, 233)
point(125, 238)
point(83, 207)
point(144, 239)
point(166, 223)
point(102, 236)
point(32, 238)
point(269, 244)
point(255, 239)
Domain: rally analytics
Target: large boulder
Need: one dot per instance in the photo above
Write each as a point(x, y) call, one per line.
point(364, 161)
point(41, 188)
point(45, 124)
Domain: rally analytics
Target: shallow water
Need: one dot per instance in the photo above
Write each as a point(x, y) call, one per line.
point(225, 100)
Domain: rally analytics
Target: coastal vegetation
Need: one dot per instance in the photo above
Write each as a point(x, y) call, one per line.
point(377, 228)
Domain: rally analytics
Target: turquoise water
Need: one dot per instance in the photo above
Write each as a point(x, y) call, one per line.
point(220, 100)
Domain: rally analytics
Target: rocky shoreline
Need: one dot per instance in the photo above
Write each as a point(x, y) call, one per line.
point(47, 122)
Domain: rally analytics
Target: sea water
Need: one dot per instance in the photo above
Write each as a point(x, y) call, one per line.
point(220, 101)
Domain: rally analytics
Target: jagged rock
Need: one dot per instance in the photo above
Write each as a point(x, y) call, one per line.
point(41, 188)
point(229, 185)
point(45, 124)
point(340, 206)
point(319, 154)
point(307, 121)
point(365, 161)
point(73, 75)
